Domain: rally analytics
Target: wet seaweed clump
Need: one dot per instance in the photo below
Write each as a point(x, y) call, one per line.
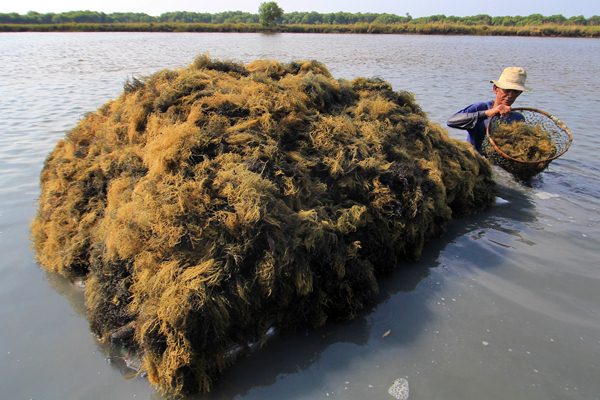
point(521, 148)
point(208, 204)
point(524, 142)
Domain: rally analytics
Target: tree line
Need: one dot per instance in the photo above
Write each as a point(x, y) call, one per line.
point(290, 18)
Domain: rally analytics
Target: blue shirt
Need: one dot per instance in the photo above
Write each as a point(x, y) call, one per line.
point(474, 121)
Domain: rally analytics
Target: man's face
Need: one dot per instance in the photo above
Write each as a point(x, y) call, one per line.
point(506, 96)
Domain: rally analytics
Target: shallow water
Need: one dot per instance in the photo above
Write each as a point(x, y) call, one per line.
point(506, 305)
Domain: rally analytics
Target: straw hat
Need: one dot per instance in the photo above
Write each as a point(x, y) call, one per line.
point(512, 78)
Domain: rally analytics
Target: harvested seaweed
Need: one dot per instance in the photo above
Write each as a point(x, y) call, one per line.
point(208, 204)
point(528, 148)
point(524, 142)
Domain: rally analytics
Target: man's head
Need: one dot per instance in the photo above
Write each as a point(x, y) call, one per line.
point(505, 96)
point(510, 85)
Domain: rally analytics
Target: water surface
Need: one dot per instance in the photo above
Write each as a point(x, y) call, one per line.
point(506, 305)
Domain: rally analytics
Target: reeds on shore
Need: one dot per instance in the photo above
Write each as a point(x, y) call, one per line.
point(433, 28)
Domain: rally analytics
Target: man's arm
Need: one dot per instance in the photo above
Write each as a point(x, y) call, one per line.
point(466, 120)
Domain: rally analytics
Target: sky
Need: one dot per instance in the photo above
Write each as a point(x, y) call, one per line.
point(416, 8)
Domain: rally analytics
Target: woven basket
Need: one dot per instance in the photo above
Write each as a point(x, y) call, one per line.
point(560, 135)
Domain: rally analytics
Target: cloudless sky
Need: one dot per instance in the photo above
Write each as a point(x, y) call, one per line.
point(417, 8)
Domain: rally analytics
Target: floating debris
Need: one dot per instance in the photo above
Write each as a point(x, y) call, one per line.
point(399, 389)
point(210, 205)
point(546, 195)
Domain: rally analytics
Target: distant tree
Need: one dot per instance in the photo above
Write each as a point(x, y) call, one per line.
point(342, 17)
point(578, 20)
point(503, 21)
point(433, 18)
point(555, 19)
point(312, 17)
point(269, 13)
point(594, 20)
point(388, 19)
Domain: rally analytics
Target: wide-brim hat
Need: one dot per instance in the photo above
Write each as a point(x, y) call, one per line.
point(512, 78)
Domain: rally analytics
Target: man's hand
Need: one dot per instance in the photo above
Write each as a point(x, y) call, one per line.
point(501, 109)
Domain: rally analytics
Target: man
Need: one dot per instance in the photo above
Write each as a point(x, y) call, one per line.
point(475, 118)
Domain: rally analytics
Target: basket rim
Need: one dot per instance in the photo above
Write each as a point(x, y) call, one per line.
point(557, 121)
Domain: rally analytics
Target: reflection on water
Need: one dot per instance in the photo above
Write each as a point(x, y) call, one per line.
point(127, 362)
point(504, 305)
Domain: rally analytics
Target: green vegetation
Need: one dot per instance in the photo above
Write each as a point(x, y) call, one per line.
point(133, 27)
point(269, 13)
point(292, 18)
point(271, 17)
point(435, 28)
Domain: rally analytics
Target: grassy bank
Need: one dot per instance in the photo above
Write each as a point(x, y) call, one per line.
point(556, 30)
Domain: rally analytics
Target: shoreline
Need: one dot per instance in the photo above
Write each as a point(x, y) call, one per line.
point(547, 30)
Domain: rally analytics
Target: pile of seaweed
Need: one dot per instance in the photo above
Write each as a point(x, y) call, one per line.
point(208, 204)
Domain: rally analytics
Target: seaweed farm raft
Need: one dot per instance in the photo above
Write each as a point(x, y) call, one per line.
point(206, 205)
